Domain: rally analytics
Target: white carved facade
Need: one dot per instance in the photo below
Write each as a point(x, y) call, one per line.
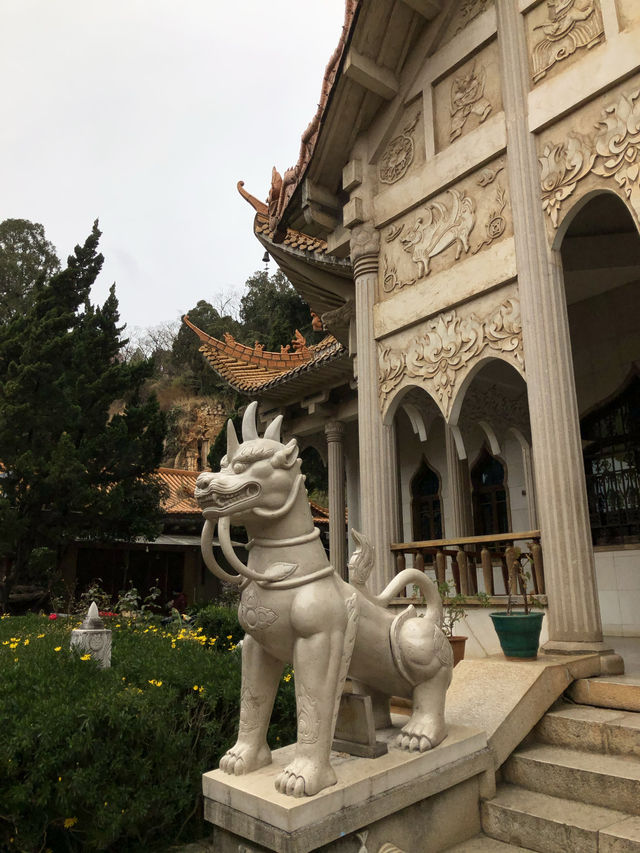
point(484, 180)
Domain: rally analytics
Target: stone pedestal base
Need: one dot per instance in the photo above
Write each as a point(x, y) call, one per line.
point(402, 799)
point(96, 642)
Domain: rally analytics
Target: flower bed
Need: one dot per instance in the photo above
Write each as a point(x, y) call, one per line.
point(112, 759)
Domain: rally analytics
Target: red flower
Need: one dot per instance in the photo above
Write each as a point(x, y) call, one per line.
point(53, 616)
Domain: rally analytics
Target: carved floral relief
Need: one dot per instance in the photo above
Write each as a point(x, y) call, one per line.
point(447, 348)
point(611, 151)
point(569, 25)
point(398, 155)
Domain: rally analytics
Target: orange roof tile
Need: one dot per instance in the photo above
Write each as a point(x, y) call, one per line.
point(180, 487)
point(292, 239)
point(252, 369)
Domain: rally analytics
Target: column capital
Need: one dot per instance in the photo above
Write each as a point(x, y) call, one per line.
point(334, 430)
point(365, 245)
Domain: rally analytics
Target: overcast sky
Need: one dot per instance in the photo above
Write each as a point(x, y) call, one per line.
point(145, 114)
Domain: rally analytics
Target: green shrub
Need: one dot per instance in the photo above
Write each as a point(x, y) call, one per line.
point(112, 759)
point(216, 620)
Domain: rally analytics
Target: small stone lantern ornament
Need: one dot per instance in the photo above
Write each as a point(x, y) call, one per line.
point(93, 637)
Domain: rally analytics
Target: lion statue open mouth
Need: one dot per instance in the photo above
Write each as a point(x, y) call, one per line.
point(297, 610)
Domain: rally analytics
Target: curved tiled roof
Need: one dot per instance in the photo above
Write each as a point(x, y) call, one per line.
point(252, 370)
point(292, 239)
point(180, 484)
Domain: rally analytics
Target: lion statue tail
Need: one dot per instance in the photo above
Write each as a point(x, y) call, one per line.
point(360, 566)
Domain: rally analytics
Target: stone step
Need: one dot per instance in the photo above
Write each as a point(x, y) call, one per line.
point(612, 781)
point(548, 824)
point(620, 692)
point(483, 844)
point(592, 729)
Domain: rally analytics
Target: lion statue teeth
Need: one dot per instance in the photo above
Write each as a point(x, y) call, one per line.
point(296, 610)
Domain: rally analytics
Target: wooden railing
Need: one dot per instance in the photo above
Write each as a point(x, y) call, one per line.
point(468, 554)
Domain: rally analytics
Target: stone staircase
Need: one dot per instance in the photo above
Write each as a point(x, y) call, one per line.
point(573, 786)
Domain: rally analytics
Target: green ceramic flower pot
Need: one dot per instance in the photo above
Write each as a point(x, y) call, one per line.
point(519, 633)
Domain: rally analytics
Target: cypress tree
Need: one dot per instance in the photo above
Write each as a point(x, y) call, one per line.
point(78, 441)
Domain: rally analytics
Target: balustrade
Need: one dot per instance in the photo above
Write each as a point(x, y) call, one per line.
point(470, 554)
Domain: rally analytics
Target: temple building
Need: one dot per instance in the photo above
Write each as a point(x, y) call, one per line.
point(463, 219)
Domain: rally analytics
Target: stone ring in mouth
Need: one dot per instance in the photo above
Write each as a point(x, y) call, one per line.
point(214, 498)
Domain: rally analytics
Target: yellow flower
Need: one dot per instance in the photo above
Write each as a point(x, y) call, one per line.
point(26, 642)
point(69, 822)
point(40, 636)
point(229, 636)
point(155, 682)
point(85, 657)
point(57, 648)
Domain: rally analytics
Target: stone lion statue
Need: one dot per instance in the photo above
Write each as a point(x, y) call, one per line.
point(297, 610)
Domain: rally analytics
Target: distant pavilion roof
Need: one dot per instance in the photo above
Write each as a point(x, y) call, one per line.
point(283, 375)
point(180, 487)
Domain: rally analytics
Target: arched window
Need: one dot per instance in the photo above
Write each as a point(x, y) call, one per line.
point(490, 505)
point(611, 448)
point(425, 504)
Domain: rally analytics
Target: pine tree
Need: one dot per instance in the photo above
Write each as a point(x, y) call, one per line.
point(78, 443)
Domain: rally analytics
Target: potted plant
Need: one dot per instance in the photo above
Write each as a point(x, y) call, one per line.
point(519, 630)
point(452, 612)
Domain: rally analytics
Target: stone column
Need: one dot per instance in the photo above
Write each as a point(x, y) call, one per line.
point(457, 475)
point(334, 431)
point(574, 613)
point(378, 464)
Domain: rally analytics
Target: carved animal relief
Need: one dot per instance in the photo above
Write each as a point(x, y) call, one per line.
point(398, 155)
point(444, 353)
point(467, 98)
point(570, 25)
point(612, 151)
point(441, 225)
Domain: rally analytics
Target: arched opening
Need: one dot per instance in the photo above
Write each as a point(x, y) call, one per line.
point(426, 503)
point(611, 447)
point(601, 264)
point(490, 497)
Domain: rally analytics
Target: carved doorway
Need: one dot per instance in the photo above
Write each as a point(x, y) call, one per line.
point(426, 506)
point(490, 498)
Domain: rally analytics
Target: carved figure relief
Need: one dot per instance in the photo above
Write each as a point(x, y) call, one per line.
point(398, 155)
point(613, 151)
point(439, 227)
point(387, 847)
point(441, 355)
point(570, 24)
point(467, 98)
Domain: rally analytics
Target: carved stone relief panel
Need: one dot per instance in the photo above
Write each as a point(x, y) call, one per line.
point(628, 13)
point(457, 223)
point(597, 147)
point(467, 11)
point(439, 353)
point(405, 148)
point(465, 98)
point(560, 29)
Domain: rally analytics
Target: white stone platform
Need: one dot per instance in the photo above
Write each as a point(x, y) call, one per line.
point(248, 809)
